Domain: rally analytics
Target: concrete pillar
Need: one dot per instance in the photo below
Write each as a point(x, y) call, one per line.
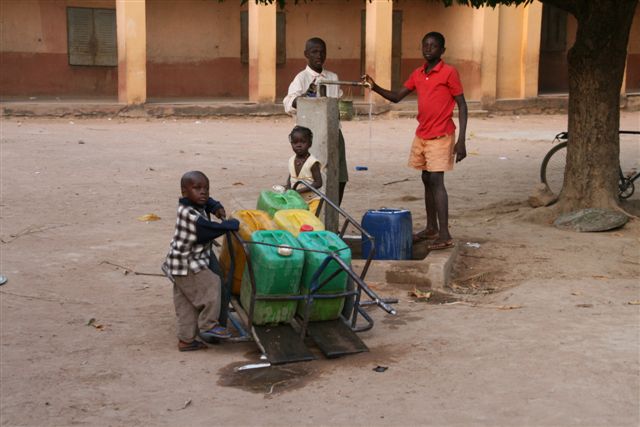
point(132, 51)
point(490, 21)
point(262, 52)
point(321, 115)
point(531, 30)
point(379, 14)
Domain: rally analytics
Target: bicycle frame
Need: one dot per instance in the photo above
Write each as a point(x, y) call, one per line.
point(626, 182)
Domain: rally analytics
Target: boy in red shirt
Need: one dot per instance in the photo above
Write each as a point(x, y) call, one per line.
point(439, 89)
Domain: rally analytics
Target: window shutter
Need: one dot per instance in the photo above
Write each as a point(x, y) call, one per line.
point(91, 36)
point(80, 32)
point(105, 34)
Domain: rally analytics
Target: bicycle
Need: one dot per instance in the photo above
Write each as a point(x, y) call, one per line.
point(554, 163)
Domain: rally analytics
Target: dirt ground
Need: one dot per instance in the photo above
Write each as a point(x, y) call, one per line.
point(546, 332)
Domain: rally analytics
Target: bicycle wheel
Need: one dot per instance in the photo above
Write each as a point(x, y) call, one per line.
point(552, 168)
point(625, 188)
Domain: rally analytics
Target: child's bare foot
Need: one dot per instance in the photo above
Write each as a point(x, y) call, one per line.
point(191, 346)
point(425, 235)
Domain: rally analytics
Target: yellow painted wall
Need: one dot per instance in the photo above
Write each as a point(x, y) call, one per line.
point(193, 49)
point(193, 46)
point(39, 25)
point(192, 30)
point(421, 17)
point(340, 31)
point(21, 29)
point(455, 23)
point(33, 51)
point(509, 52)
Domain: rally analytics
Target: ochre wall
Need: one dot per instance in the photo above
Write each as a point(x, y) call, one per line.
point(33, 52)
point(509, 71)
point(193, 49)
point(455, 23)
point(340, 31)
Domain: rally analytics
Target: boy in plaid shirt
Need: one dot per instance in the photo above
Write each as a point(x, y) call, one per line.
point(196, 289)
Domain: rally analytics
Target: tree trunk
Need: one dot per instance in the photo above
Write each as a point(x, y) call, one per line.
point(596, 68)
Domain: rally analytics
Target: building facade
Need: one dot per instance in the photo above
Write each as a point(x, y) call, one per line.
point(143, 50)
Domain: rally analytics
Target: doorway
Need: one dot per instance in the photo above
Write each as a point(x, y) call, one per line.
point(553, 71)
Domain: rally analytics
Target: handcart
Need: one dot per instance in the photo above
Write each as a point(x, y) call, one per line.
point(285, 342)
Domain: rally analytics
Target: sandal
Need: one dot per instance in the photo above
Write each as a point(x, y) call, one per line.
point(436, 246)
point(424, 235)
point(191, 346)
point(214, 334)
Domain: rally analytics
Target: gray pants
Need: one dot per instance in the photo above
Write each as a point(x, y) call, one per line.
point(197, 301)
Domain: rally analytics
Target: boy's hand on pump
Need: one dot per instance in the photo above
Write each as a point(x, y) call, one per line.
point(368, 80)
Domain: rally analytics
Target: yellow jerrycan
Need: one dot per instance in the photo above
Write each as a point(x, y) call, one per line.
point(250, 221)
point(293, 220)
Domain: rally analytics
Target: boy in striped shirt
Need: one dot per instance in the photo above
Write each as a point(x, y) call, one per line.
point(196, 289)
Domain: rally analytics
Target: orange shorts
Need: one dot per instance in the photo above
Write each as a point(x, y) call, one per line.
point(433, 155)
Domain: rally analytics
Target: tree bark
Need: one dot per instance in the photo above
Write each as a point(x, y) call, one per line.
point(596, 69)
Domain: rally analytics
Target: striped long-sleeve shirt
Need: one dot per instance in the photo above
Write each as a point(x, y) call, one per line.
point(190, 248)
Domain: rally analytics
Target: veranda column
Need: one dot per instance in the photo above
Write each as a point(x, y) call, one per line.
point(489, 29)
point(262, 52)
point(378, 43)
point(531, 30)
point(132, 51)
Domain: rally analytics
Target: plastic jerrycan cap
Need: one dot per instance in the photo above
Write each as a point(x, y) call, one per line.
point(305, 227)
point(285, 250)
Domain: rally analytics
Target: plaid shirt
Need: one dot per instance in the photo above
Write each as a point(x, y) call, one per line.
point(190, 248)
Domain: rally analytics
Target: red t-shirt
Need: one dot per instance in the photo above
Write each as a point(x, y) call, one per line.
point(435, 99)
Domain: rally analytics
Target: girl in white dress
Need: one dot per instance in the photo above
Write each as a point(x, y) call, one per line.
point(303, 165)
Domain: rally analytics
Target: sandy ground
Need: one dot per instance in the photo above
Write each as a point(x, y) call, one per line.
point(545, 334)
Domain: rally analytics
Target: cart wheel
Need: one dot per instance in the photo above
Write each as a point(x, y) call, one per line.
point(347, 310)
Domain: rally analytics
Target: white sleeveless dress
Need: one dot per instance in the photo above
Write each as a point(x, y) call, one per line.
point(305, 174)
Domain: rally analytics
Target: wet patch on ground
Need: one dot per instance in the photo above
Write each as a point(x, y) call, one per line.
point(438, 297)
point(430, 296)
point(479, 270)
point(396, 321)
point(270, 380)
